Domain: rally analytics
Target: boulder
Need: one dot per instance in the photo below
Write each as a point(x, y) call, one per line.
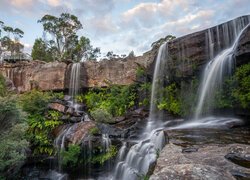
point(57, 107)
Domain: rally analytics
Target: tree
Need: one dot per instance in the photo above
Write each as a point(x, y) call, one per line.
point(63, 30)
point(7, 42)
point(65, 43)
point(131, 54)
point(162, 40)
point(40, 51)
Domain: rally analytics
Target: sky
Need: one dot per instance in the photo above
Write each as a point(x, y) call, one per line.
point(123, 25)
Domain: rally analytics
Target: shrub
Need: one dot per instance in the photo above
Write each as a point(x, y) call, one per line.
point(115, 100)
point(101, 115)
point(3, 90)
point(12, 140)
point(170, 101)
point(35, 102)
point(242, 92)
point(70, 157)
point(101, 158)
point(94, 131)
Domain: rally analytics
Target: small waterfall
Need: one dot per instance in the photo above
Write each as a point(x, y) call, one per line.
point(74, 84)
point(221, 65)
point(141, 156)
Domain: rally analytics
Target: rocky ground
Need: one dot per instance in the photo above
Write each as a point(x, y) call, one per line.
point(205, 154)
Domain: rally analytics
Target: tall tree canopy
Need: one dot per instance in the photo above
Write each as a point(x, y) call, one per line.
point(65, 43)
point(10, 39)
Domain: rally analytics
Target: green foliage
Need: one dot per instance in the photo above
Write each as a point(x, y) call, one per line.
point(170, 101)
point(115, 100)
point(10, 113)
point(112, 151)
point(235, 92)
point(65, 43)
point(12, 130)
point(39, 131)
point(101, 115)
point(79, 98)
point(13, 145)
point(40, 51)
point(71, 156)
point(94, 131)
point(3, 90)
point(242, 92)
point(140, 72)
point(35, 102)
point(10, 39)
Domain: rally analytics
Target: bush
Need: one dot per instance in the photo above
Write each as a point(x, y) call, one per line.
point(242, 92)
point(102, 116)
point(94, 131)
point(3, 90)
point(101, 158)
point(71, 156)
point(35, 102)
point(170, 100)
point(12, 140)
point(115, 100)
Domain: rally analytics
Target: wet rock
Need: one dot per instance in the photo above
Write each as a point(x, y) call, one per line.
point(79, 131)
point(70, 111)
point(65, 118)
point(189, 150)
point(67, 98)
point(207, 163)
point(57, 107)
point(75, 119)
point(239, 158)
point(240, 175)
point(119, 119)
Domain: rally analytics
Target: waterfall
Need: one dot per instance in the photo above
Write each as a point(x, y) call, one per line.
point(141, 156)
point(157, 84)
point(74, 84)
point(220, 65)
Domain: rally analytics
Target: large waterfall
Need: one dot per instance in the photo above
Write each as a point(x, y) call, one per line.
point(221, 65)
point(141, 156)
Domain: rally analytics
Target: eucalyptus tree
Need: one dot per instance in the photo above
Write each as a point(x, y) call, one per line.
point(63, 31)
point(64, 42)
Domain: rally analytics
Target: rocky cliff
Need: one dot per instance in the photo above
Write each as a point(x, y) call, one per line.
point(188, 55)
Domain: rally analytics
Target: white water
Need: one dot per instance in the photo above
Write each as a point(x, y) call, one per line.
point(74, 85)
point(136, 162)
point(221, 65)
point(157, 84)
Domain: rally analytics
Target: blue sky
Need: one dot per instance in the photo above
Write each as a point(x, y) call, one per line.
point(123, 25)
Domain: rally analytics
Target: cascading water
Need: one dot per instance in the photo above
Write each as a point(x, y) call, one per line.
point(221, 65)
point(158, 83)
point(74, 84)
point(140, 156)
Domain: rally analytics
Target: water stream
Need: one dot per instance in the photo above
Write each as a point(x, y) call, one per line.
point(220, 66)
point(134, 162)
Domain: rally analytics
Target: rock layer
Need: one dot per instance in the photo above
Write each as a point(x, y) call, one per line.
point(188, 56)
point(207, 163)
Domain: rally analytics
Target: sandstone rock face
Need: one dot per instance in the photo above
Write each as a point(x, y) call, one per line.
point(207, 163)
point(121, 71)
point(191, 52)
point(35, 74)
point(188, 54)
